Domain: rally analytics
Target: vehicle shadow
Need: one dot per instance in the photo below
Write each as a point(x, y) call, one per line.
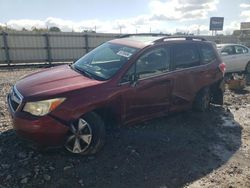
point(171, 151)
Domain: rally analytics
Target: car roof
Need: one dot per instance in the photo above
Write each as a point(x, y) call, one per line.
point(136, 41)
point(229, 44)
point(141, 41)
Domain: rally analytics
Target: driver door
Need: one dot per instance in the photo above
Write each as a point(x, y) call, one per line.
point(148, 95)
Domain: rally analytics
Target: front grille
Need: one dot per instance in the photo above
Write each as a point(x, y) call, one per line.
point(14, 104)
point(15, 99)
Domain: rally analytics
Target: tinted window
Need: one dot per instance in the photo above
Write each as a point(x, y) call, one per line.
point(185, 56)
point(207, 53)
point(241, 50)
point(228, 50)
point(153, 63)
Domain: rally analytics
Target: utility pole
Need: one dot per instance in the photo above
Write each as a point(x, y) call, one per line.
point(6, 26)
point(120, 29)
point(198, 30)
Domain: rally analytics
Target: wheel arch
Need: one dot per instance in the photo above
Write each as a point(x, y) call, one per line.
point(198, 103)
point(201, 90)
point(214, 89)
point(109, 116)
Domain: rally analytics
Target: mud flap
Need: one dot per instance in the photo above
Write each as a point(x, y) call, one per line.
point(218, 90)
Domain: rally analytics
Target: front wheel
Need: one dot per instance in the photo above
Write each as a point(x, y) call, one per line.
point(86, 135)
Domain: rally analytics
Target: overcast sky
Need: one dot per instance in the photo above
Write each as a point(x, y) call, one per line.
point(130, 16)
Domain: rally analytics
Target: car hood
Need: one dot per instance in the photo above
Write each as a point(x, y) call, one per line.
point(53, 81)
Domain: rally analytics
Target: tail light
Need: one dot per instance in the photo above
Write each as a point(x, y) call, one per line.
point(222, 67)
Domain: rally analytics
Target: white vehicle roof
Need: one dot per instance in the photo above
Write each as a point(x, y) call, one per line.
point(229, 44)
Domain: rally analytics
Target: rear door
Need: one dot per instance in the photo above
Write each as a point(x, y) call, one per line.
point(150, 95)
point(191, 73)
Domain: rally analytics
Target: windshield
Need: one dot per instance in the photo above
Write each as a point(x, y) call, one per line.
point(104, 61)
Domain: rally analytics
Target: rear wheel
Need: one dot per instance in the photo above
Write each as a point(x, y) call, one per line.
point(202, 100)
point(86, 135)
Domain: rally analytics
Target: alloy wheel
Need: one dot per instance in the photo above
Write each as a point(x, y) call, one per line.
point(206, 101)
point(80, 137)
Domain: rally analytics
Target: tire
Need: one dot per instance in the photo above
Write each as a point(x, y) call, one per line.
point(86, 135)
point(202, 100)
point(248, 68)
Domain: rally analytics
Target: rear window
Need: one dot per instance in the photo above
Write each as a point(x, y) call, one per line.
point(241, 50)
point(229, 50)
point(207, 53)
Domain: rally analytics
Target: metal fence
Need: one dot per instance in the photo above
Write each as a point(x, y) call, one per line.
point(240, 39)
point(34, 47)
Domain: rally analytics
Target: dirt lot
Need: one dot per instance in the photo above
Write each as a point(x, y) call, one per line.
point(183, 150)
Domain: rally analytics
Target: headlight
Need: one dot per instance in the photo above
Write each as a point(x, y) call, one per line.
point(41, 108)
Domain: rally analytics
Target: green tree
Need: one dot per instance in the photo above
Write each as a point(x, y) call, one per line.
point(39, 29)
point(54, 29)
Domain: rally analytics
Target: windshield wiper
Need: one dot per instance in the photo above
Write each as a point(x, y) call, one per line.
point(84, 72)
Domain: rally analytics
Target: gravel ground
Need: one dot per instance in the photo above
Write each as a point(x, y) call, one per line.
point(183, 150)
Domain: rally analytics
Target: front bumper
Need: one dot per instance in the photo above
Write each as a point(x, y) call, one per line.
point(44, 131)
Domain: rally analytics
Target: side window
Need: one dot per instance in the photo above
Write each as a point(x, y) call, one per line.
point(207, 53)
point(228, 50)
point(241, 50)
point(185, 56)
point(153, 63)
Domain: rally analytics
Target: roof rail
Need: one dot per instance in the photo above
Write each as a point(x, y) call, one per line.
point(144, 34)
point(180, 37)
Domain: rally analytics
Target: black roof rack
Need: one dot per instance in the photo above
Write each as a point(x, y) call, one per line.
point(144, 34)
point(180, 37)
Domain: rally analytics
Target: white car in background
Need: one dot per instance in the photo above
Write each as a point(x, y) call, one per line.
point(236, 57)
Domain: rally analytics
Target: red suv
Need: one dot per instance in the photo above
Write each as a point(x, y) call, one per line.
point(126, 80)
